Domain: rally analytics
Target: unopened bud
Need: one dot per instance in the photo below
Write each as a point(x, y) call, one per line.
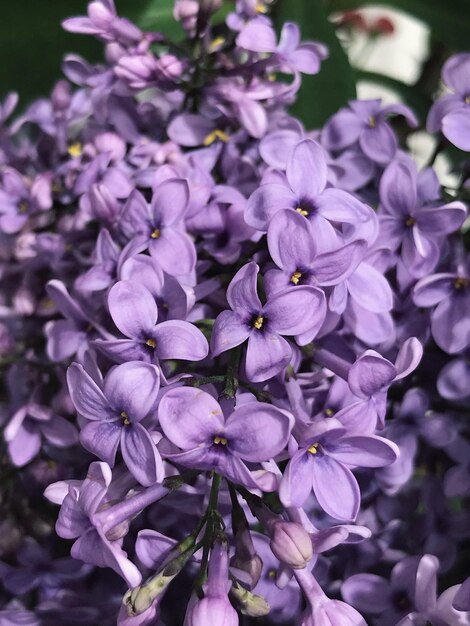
point(247, 602)
point(213, 610)
point(291, 544)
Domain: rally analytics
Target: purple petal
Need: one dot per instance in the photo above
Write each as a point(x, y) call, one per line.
point(290, 240)
point(446, 104)
point(342, 130)
point(189, 129)
point(133, 387)
point(190, 417)
point(140, 455)
point(63, 339)
point(25, 445)
point(426, 583)
point(152, 547)
point(242, 292)
point(450, 325)
point(86, 396)
point(379, 143)
point(336, 489)
point(64, 302)
point(408, 358)
point(453, 382)
point(333, 267)
point(442, 220)
point(174, 251)
point(257, 431)
point(296, 483)
point(370, 451)
point(295, 311)
point(433, 289)
point(229, 330)
point(60, 432)
point(132, 308)
point(265, 202)
point(367, 592)
point(102, 439)
point(370, 374)
point(306, 169)
point(398, 187)
point(180, 340)
point(456, 127)
point(258, 36)
point(266, 356)
point(170, 201)
point(122, 350)
point(370, 289)
point(456, 73)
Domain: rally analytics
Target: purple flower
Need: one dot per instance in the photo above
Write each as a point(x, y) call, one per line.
point(450, 320)
point(364, 123)
point(161, 227)
point(103, 22)
point(92, 546)
point(322, 463)
point(135, 313)
point(27, 427)
point(194, 421)
point(20, 198)
point(292, 246)
point(128, 395)
point(451, 113)
point(258, 35)
point(304, 191)
point(405, 223)
point(289, 312)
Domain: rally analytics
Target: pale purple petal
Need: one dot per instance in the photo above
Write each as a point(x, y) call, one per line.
point(242, 292)
point(257, 431)
point(306, 169)
point(87, 397)
point(266, 356)
point(102, 439)
point(370, 374)
point(290, 240)
point(456, 127)
point(133, 388)
point(379, 143)
point(336, 489)
point(295, 311)
point(170, 201)
point(140, 455)
point(342, 130)
point(176, 339)
point(370, 451)
point(229, 330)
point(190, 417)
point(265, 201)
point(132, 308)
point(296, 483)
point(174, 251)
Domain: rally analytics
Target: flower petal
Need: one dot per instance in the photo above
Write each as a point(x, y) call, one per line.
point(190, 417)
point(296, 483)
point(364, 451)
point(180, 340)
point(86, 396)
point(133, 387)
point(102, 439)
point(170, 201)
point(306, 169)
point(335, 488)
point(141, 455)
point(132, 308)
point(229, 330)
point(266, 355)
point(295, 311)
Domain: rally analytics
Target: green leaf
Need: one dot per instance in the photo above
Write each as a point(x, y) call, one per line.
point(449, 20)
point(323, 94)
point(158, 16)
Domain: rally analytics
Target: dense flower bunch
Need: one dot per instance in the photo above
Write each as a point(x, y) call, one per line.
point(212, 334)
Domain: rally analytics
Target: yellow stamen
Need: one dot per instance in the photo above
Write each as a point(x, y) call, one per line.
point(296, 276)
point(125, 418)
point(313, 448)
point(22, 207)
point(214, 135)
point(302, 211)
point(261, 8)
point(75, 149)
point(151, 343)
point(461, 282)
point(258, 322)
point(156, 234)
point(372, 121)
point(467, 99)
point(272, 77)
point(216, 43)
point(220, 440)
point(272, 573)
point(329, 412)
point(410, 222)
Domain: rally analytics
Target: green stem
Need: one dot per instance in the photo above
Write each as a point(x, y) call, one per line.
point(209, 534)
point(231, 377)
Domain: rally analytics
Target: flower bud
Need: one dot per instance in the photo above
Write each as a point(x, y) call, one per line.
point(291, 544)
point(213, 610)
point(247, 602)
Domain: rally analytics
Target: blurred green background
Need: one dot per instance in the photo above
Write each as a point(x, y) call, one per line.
point(32, 45)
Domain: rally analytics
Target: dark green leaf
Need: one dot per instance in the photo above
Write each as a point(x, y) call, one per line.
point(323, 94)
point(449, 20)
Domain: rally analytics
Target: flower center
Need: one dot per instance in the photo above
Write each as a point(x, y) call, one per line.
point(220, 441)
point(23, 206)
point(372, 121)
point(329, 412)
point(258, 323)
point(215, 44)
point(295, 278)
point(75, 149)
point(214, 135)
point(125, 419)
point(302, 211)
point(151, 343)
point(467, 99)
point(314, 448)
point(410, 222)
point(261, 8)
point(461, 282)
point(155, 234)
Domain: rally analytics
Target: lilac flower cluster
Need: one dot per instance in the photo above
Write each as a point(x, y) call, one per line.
point(235, 351)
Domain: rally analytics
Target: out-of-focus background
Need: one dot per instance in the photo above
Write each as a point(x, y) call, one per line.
point(393, 49)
